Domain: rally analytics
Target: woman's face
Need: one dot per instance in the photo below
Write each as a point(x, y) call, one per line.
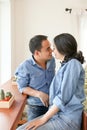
point(58, 55)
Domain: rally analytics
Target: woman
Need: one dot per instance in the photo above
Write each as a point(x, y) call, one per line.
point(66, 90)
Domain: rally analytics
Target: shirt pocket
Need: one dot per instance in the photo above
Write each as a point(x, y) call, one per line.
point(37, 79)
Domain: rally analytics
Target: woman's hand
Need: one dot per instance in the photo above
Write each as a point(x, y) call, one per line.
point(42, 120)
point(35, 124)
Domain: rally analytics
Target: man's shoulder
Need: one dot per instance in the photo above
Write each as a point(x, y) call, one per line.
point(25, 63)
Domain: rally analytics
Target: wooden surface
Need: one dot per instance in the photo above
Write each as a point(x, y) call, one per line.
point(84, 121)
point(9, 117)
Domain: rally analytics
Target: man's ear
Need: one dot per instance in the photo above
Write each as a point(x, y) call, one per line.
point(36, 52)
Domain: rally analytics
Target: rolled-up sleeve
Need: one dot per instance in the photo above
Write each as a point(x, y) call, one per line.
point(22, 77)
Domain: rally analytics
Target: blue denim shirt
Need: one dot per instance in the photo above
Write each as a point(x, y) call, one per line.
point(67, 90)
point(29, 73)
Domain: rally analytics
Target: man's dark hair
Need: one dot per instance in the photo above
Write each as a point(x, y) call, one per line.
point(36, 43)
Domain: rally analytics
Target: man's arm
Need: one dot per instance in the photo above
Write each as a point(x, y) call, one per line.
point(39, 94)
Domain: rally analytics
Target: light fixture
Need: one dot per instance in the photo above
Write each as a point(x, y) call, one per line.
point(69, 10)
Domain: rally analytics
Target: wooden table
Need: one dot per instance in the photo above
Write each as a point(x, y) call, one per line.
point(9, 117)
point(84, 121)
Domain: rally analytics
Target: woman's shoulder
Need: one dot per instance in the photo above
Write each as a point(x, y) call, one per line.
point(74, 62)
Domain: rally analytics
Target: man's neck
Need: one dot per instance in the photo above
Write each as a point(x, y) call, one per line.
point(40, 62)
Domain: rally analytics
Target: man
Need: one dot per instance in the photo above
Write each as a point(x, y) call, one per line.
point(35, 75)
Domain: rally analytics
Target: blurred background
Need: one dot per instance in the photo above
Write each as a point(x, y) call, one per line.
point(22, 19)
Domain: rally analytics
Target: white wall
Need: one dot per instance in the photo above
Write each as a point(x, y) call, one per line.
point(31, 17)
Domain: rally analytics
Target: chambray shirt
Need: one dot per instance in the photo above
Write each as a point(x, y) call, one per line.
point(67, 91)
point(29, 73)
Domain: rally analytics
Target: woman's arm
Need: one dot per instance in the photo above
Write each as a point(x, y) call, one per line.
point(50, 113)
point(40, 121)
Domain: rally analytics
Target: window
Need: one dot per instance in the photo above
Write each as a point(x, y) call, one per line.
point(5, 41)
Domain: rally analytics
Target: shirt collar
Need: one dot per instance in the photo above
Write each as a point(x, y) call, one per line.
point(34, 63)
point(65, 61)
point(33, 60)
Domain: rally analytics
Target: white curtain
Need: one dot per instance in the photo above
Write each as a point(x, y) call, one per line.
point(83, 35)
point(79, 28)
point(5, 41)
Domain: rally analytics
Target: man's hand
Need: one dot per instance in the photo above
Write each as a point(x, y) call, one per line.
point(44, 98)
point(41, 95)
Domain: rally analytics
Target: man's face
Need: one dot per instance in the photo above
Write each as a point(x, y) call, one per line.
point(46, 51)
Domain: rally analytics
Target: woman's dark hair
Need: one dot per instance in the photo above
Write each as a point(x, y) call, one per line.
point(36, 43)
point(67, 45)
